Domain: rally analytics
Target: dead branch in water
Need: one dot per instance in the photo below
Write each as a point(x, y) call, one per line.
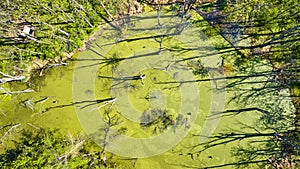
point(9, 131)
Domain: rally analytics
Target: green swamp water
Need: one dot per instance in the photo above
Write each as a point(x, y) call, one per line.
point(65, 96)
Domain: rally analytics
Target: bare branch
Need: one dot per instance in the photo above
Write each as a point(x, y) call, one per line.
point(9, 132)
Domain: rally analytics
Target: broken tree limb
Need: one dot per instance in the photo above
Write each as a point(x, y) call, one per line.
point(9, 78)
point(29, 51)
point(84, 18)
point(33, 126)
point(68, 16)
point(80, 6)
point(4, 91)
point(106, 11)
point(9, 132)
point(55, 28)
point(112, 101)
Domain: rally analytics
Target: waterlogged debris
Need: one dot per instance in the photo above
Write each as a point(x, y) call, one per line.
point(112, 101)
point(161, 120)
point(175, 75)
point(8, 78)
point(151, 97)
point(191, 155)
point(4, 91)
point(9, 132)
point(57, 64)
point(42, 100)
point(31, 125)
point(168, 67)
point(142, 77)
point(29, 104)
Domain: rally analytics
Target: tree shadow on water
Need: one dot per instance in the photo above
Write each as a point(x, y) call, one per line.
point(84, 104)
point(256, 148)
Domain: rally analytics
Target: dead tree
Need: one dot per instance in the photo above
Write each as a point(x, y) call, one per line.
point(9, 78)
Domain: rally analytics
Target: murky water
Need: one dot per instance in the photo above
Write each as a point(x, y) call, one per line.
point(168, 115)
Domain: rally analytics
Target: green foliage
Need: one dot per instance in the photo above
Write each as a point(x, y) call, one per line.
point(51, 149)
point(159, 119)
point(272, 30)
point(207, 7)
point(198, 68)
point(59, 26)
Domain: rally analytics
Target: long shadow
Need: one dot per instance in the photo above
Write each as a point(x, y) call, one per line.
point(260, 74)
point(150, 28)
point(234, 112)
point(246, 156)
point(179, 28)
point(225, 138)
point(223, 165)
point(145, 38)
point(105, 61)
point(282, 39)
point(92, 102)
point(235, 164)
point(121, 80)
point(271, 144)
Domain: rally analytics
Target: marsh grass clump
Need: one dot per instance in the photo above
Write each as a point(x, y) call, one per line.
point(157, 119)
point(198, 68)
point(114, 60)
